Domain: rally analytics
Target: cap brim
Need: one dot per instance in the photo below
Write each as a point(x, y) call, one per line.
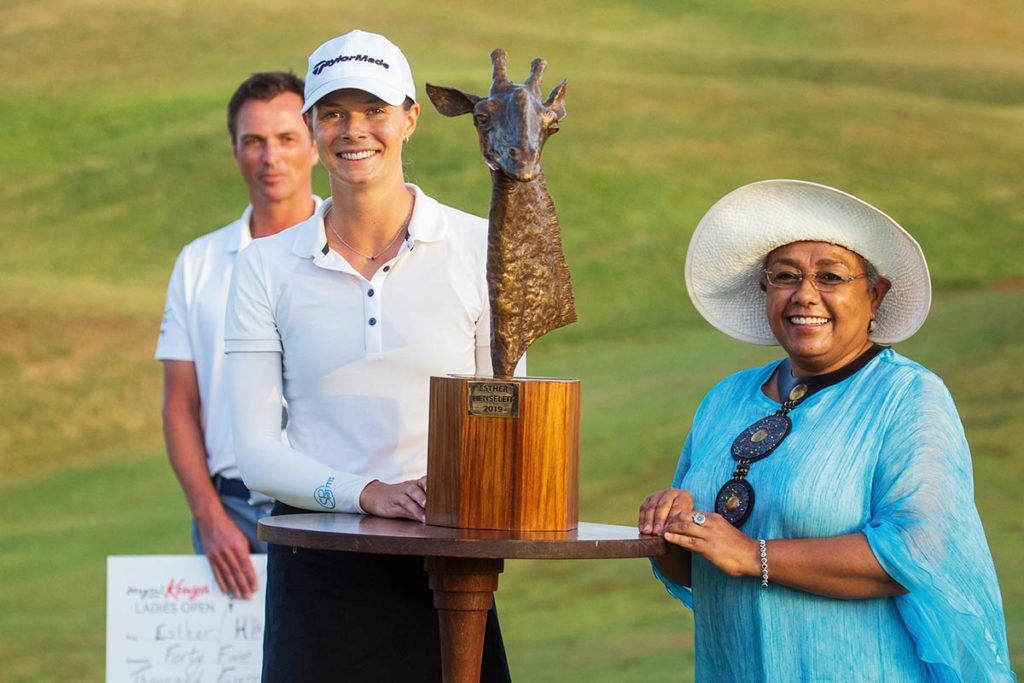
point(386, 92)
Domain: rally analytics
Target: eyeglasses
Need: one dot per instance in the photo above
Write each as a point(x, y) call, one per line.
point(823, 281)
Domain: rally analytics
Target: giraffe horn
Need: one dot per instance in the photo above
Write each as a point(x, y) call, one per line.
point(500, 82)
point(537, 67)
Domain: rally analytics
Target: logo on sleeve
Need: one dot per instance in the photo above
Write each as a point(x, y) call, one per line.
point(324, 496)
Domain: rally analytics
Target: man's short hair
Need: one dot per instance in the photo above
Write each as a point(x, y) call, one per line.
point(263, 86)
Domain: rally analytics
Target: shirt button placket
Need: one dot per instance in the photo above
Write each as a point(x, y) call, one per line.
point(372, 313)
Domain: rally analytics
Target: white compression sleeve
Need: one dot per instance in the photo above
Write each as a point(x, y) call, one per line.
point(268, 465)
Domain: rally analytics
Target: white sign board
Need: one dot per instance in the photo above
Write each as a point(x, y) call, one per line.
point(168, 622)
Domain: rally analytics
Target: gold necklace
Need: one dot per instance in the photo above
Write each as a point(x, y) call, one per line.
point(368, 257)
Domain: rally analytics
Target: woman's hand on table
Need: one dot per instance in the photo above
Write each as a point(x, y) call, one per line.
point(655, 511)
point(657, 508)
point(405, 500)
point(722, 544)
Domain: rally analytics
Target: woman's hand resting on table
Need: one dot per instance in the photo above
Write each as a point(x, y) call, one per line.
point(405, 500)
point(660, 506)
point(669, 513)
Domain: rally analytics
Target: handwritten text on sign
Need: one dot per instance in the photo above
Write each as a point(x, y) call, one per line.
point(168, 622)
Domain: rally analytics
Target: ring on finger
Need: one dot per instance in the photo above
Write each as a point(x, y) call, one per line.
point(699, 518)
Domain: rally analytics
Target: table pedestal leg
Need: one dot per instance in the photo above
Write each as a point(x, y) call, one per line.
point(463, 594)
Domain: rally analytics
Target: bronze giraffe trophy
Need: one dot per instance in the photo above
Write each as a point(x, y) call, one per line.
point(503, 451)
point(528, 280)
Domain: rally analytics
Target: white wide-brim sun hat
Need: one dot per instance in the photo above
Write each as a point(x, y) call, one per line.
point(725, 259)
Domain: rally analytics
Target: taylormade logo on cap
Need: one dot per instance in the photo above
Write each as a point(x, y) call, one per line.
point(361, 61)
point(320, 66)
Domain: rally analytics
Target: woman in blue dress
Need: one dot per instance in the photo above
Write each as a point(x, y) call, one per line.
point(821, 520)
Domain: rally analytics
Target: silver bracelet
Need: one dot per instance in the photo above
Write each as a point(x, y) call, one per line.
point(763, 546)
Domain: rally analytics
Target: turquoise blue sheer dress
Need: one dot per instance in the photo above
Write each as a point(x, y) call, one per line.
point(882, 453)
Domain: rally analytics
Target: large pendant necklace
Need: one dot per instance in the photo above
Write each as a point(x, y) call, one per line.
point(735, 500)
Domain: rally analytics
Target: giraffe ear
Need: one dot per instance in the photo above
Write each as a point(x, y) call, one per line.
point(556, 101)
point(451, 101)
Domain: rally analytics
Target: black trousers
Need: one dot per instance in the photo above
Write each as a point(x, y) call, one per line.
point(334, 616)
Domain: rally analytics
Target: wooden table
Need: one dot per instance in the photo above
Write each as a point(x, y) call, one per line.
point(463, 564)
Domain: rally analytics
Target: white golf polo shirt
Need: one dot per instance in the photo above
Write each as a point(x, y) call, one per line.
point(193, 329)
point(352, 356)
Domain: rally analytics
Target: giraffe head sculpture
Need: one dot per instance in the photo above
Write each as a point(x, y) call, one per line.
point(513, 122)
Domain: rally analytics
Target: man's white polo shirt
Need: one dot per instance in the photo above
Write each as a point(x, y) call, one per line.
point(356, 355)
point(193, 328)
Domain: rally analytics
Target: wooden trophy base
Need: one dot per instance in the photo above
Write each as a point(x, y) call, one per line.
point(503, 454)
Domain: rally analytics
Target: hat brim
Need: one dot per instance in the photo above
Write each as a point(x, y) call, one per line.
point(385, 91)
point(727, 251)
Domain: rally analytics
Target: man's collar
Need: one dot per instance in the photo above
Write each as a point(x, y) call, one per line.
point(243, 233)
point(243, 227)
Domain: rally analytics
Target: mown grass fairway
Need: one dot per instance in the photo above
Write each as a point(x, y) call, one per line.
point(115, 154)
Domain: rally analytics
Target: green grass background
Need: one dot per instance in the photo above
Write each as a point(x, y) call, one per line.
point(114, 154)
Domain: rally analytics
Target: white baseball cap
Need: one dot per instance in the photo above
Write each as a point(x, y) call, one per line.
point(360, 60)
point(726, 255)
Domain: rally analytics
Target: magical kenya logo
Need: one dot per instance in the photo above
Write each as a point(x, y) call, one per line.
point(178, 590)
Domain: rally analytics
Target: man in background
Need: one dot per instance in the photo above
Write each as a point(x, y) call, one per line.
point(275, 156)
